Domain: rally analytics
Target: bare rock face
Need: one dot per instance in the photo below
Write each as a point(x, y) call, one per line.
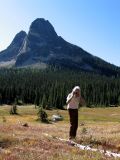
point(42, 47)
point(38, 43)
point(12, 50)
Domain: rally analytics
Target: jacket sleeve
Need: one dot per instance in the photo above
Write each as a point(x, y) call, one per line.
point(69, 97)
point(82, 101)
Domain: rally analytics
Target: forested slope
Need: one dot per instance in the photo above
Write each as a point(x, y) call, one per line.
point(50, 87)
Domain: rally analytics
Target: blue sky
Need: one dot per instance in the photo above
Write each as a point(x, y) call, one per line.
point(94, 25)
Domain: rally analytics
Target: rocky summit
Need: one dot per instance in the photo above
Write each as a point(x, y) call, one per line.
point(9, 55)
point(42, 47)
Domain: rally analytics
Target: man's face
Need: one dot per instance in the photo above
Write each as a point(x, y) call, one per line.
point(77, 93)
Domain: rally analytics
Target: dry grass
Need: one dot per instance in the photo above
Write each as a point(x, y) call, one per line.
point(98, 127)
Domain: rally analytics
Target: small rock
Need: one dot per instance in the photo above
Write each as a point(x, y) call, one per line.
point(25, 125)
point(82, 124)
point(57, 118)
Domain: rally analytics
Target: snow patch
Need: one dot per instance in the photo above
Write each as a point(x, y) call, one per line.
point(87, 147)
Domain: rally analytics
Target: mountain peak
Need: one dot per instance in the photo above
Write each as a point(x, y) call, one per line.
point(19, 37)
point(12, 50)
point(43, 28)
point(43, 47)
point(38, 20)
point(22, 32)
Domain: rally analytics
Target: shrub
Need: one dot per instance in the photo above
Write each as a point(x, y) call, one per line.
point(84, 130)
point(13, 109)
point(42, 115)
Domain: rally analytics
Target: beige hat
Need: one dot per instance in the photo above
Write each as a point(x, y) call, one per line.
point(76, 88)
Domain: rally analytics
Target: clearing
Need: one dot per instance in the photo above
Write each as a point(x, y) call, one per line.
point(98, 127)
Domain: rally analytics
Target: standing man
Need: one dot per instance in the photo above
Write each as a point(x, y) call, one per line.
point(73, 100)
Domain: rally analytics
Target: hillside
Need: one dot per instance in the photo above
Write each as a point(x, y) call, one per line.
point(9, 55)
point(49, 88)
point(42, 47)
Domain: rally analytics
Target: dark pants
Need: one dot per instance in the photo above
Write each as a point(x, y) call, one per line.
point(73, 113)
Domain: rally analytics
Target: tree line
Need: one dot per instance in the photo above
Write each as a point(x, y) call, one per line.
point(49, 88)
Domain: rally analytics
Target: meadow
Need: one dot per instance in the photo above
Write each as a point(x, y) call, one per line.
point(98, 127)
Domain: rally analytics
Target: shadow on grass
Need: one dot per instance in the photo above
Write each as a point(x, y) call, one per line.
point(45, 122)
point(6, 142)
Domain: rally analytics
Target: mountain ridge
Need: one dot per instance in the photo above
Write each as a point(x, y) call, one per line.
point(43, 46)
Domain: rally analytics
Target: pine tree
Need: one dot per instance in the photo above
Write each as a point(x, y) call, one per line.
point(119, 100)
point(44, 101)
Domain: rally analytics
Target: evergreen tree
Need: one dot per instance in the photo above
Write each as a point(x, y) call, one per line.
point(50, 87)
point(44, 101)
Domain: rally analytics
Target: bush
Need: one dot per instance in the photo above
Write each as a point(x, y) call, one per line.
point(84, 130)
point(13, 109)
point(42, 115)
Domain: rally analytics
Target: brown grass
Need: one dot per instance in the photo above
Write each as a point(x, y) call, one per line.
point(30, 143)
